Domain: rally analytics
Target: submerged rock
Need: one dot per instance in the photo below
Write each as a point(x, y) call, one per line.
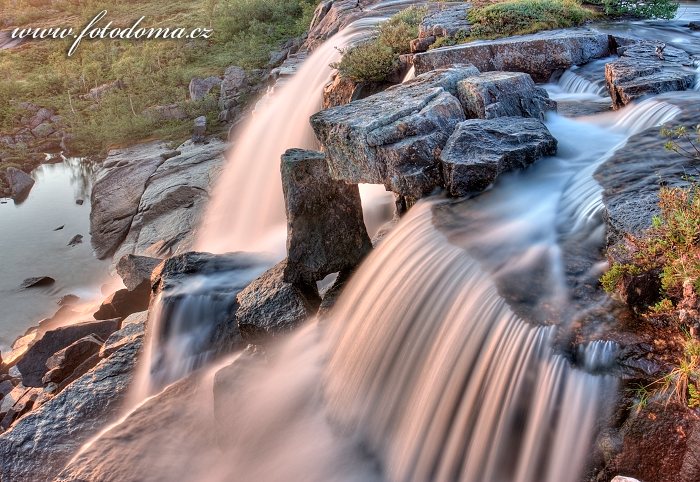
point(480, 151)
point(647, 68)
point(39, 445)
point(32, 366)
point(393, 138)
point(117, 192)
point(325, 228)
point(503, 94)
point(270, 306)
point(540, 54)
point(37, 281)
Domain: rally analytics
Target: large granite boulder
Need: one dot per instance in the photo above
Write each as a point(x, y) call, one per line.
point(648, 68)
point(63, 364)
point(393, 138)
point(450, 21)
point(123, 303)
point(481, 150)
point(39, 445)
point(503, 94)
point(171, 205)
point(32, 366)
point(325, 229)
point(134, 270)
point(117, 192)
point(20, 183)
point(270, 306)
point(540, 55)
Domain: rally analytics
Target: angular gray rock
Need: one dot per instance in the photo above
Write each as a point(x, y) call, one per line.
point(540, 54)
point(132, 327)
point(394, 137)
point(450, 20)
point(134, 270)
point(171, 205)
point(20, 182)
point(199, 129)
point(481, 150)
point(116, 194)
point(64, 362)
point(37, 281)
point(641, 71)
point(39, 445)
point(325, 228)
point(123, 303)
point(199, 88)
point(503, 94)
point(233, 87)
point(32, 366)
point(270, 306)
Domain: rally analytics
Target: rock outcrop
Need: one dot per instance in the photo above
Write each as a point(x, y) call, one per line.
point(134, 270)
point(172, 202)
point(270, 306)
point(480, 151)
point(39, 445)
point(646, 68)
point(117, 192)
point(503, 94)
point(199, 88)
point(393, 138)
point(448, 21)
point(540, 55)
point(325, 228)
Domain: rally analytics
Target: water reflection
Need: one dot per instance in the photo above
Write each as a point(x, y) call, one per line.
point(31, 245)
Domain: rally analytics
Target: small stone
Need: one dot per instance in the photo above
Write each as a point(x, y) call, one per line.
point(37, 281)
point(79, 202)
point(200, 129)
point(67, 300)
point(75, 240)
point(60, 227)
point(134, 270)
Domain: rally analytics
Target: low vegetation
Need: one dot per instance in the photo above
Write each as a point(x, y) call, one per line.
point(670, 250)
point(376, 59)
point(515, 17)
point(155, 72)
point(639, 9)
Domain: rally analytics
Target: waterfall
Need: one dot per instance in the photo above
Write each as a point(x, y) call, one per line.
point(442, 381)
point(574, 83)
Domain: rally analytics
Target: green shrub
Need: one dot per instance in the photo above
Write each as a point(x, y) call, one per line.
point(371, 61)
point(644, 9)
point(515, 17)
point(399, 30)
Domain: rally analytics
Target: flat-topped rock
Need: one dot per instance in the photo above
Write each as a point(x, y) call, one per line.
point(393, 137)
point(648, 68)
point(540, 55)
point(503, 94)
point(450, 20)
point(479, 151)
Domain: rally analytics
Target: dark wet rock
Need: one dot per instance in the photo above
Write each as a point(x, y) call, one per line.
point(117, 192)
point(37, 281)
point(199, 88)
point(63, 363)
point(503, 94)
point(175, 271)
point(694, 25)
point(19, 182)
point(325, 228)
point(540, 55)
point(449, 20)
point(199, 129)
point(172, 203)
point(631, 182)
point(123, 303)
point(60, 227)
point(79, 202)
point(480, 151)
point(394, 137)
point(134, 270)
point(641, 291)
point(270, 306)
point(75, 240)
point(32, 365)
point(332, 294)
point(642, 71)
point(39, 445)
